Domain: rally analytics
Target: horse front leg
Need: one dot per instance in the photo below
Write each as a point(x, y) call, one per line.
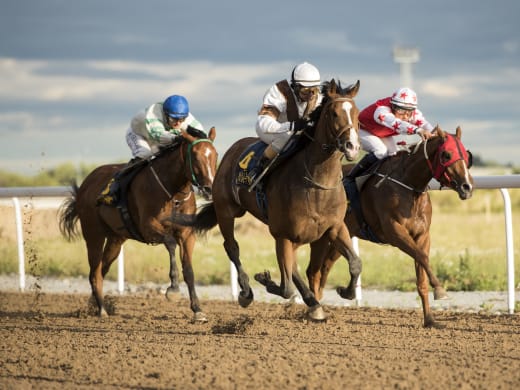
point(226, 225)
point(187, 243)
point(171, 244)
point(286, 260)
point(422, 284)
point(343, 244)
point(320, 252)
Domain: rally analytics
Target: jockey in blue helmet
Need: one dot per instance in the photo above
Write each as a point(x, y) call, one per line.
point(158, 125)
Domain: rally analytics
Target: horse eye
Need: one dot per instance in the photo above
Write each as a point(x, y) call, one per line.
point(445, 157)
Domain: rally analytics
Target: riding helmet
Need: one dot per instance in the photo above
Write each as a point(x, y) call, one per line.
point(176, 106)
point(404, 98)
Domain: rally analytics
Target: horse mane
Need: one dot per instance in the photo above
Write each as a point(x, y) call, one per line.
point(196, 132)
point(179, 140)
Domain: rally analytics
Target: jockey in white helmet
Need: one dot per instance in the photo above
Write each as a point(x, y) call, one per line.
point(286, 107)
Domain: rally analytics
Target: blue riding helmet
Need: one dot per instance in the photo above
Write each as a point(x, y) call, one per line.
point(176, 106)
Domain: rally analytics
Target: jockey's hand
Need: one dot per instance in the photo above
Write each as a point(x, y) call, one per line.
point(299, 124)
point(424, 134)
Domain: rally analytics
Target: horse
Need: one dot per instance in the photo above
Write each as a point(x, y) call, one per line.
point(163, 185)
point(397, 209)
point(305, 199)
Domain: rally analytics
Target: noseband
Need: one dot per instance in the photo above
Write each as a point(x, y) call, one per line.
point(190, 160)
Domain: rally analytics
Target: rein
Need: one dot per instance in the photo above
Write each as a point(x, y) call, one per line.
point(193, 177)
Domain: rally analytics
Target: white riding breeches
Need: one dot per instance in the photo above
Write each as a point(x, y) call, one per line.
point(381, 147)
point(276, 140)
point(139, 145)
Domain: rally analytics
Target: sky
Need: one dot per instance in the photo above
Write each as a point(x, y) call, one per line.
point(73, 73)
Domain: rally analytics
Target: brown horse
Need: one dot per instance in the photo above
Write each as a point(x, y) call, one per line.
point(161, 187)
point(397, 209)
point(305, 199)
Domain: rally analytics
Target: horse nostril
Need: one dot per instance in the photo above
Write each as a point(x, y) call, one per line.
point(466, 187)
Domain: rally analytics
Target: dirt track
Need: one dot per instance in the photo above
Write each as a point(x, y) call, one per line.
point(52, 341)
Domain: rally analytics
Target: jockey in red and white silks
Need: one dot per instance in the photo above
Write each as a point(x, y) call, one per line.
point(395, 115)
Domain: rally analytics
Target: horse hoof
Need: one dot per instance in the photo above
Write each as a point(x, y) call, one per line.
point(264, 278)
point(245, 301)
point(345, 292)
point(316, 313)
point(200, 317)
point(103, 313)
point(431, 324)
point(440, 293)
point(172, 293)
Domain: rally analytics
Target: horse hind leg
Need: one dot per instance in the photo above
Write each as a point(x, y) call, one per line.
point(95, 252)
point(226, 225)
point(343, 244)
point(173, 289)
point(186, 249)
point(110, 253)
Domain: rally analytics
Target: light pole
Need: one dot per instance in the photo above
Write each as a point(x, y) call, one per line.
point(405, 57)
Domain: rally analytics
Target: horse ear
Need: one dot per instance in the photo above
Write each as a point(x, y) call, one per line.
point(354, 89)
point(212, 133)
point(438, 131)
point(458, 132)
point(332, 86)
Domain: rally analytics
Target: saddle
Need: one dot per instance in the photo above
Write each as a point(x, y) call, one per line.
point(252, 156)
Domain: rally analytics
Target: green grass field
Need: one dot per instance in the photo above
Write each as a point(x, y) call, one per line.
point(468, 250)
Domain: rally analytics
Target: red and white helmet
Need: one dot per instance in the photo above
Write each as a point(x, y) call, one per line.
point(404, 98)
point(306, 75)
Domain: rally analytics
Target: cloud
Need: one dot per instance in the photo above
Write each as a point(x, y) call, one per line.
point(67, 107)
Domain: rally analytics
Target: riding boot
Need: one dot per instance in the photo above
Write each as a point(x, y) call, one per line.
point(362, 166)
point(268, 155)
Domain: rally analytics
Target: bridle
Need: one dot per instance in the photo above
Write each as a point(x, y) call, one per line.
point(189, 159)
point(337, 145)
point(439, 168)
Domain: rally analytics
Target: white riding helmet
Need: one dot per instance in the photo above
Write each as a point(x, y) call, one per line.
point(404, 98)
point(306, 75)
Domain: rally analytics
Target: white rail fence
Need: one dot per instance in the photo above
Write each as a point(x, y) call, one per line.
point(501, 183)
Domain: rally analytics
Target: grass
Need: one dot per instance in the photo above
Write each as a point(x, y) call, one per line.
point(467, 250)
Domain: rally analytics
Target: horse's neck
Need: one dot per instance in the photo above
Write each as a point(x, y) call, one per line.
point(414, 169)
point(169, 170)
point(323, 166)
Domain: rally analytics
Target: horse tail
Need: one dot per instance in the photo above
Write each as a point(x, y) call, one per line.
point(201, 222)
point(68, 216)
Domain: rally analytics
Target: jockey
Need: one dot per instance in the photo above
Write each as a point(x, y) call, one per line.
point(285, 109)
point(158, 125)
point(382, 121)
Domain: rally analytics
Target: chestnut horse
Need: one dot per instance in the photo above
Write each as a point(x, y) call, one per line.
point(397, 209)
point(305, 199)
point(162, 186)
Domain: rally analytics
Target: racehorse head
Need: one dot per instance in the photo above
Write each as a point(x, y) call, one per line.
point(451, 164)
point(340, 112)
point(201, 159)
